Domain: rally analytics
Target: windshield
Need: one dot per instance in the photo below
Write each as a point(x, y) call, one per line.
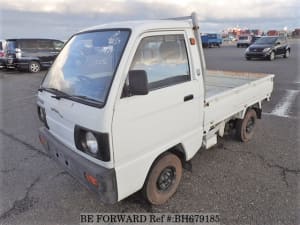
point(212, 35)
point(86, 65)
point(256, 38)
point(266, 40)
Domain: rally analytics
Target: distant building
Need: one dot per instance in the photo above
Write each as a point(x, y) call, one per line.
point(257, 32)
point(236, 32)
point(296, 33)
point(273, 33)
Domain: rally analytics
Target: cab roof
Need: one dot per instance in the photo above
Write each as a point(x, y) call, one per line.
point(143, 25)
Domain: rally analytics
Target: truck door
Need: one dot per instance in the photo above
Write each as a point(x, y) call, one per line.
point(169, 114)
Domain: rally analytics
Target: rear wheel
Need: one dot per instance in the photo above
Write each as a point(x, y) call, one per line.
point(163, 179)
point(287, 54)
point(245, 127)
point(34, 67)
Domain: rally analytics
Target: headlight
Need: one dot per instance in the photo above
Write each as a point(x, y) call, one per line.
point(248, 49)
point(93, 143)
point(42, 115)
point(266, 49)
point(89, 142)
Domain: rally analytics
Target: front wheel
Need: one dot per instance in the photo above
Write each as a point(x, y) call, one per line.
point(248, 58)
point(163, 179)
point(245, 127)
point(272, 56)
point(34, 67)
point(287, 54)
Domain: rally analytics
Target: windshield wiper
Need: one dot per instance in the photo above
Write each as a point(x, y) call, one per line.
point(57, 93)
point(41, 89)
point(61, 95)
point(85, 98)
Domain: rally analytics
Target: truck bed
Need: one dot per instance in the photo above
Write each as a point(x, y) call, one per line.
point(228, 93)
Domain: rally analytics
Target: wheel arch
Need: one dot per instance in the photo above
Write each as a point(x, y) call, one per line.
point(177, 150)
point(258, 109)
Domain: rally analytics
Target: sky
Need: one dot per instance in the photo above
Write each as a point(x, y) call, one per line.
point(61, 18)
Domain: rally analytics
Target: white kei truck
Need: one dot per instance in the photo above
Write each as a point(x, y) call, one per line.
point(126, 105)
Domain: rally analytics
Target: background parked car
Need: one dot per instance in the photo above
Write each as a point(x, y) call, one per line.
point(244, 41)
point(268, 47)
point(211, 40)
point(2, 55)
point(31, 54)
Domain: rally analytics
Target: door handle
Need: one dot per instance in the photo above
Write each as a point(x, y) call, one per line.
point(188, 98)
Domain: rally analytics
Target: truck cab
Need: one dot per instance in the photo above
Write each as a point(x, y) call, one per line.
point(125, 107)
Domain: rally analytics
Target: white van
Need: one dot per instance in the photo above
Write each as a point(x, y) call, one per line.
point(126, 105)
point(244, 41)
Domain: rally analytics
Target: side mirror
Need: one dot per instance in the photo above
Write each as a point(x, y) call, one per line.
point(278, 43)
point(138, 82)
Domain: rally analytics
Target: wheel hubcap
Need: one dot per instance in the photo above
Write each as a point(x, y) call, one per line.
point(250, 125)
point(34, 67)
point(287, 54)
point(166, 178)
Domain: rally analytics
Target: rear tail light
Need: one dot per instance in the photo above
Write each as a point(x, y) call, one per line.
point(1, 54)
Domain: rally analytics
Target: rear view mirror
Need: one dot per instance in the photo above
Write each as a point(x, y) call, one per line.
point(138, 82)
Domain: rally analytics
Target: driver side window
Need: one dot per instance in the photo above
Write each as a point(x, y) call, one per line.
point(164, 59)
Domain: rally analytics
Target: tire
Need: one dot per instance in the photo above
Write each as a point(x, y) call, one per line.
point(272, 56)
point(238, 45)
point(245, 127)
point(34, 67)
point(287, 53)
point(248, 58)
point(163, 179)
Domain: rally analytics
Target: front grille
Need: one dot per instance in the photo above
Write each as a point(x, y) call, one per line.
point(256, 49)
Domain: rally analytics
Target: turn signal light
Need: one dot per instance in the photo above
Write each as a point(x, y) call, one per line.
point(91, 179)
point(42, 139)
point(192, 41)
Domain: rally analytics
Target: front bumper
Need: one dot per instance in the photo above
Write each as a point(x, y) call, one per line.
point(79, 166)
point(257, 54)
